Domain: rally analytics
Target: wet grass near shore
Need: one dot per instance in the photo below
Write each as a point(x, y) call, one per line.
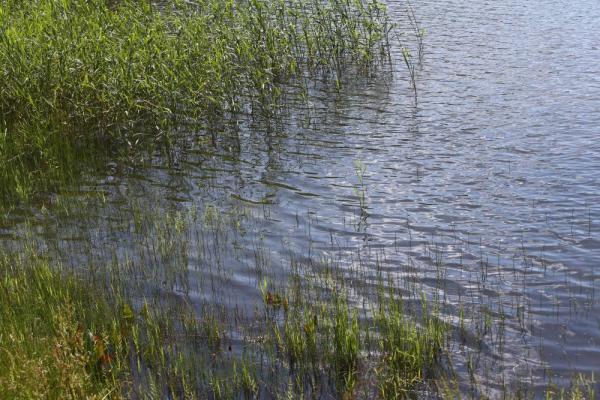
point(75, 332)
point(154, 317)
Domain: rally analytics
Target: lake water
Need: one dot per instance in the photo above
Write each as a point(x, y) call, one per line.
point(484, 191)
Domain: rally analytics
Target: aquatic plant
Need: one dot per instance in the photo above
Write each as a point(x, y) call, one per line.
point(79, 79)
point(135, 342)
point(410, 354)
point(129, 322)
point(58, 338)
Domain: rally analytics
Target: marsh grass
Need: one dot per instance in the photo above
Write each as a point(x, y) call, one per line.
point(54, 335)
point(80, 79)
point(122, 337)
point(410, 354)
point(66, 337)
point(127, 323)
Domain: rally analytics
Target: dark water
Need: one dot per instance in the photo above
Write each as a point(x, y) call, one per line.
point(484, 192)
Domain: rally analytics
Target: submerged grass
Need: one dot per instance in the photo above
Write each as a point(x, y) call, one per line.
point(82, 78)
point(130, 322)
point(67, 337)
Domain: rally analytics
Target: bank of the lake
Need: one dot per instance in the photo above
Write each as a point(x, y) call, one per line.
point(275, 199)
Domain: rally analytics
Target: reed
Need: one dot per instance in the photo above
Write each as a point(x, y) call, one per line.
point(82, 79)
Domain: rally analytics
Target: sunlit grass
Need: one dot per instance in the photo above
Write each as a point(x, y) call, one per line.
point(79, 79)
point(55, 335)
point(128, 324)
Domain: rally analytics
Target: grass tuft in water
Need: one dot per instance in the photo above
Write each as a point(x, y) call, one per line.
point(410, 354)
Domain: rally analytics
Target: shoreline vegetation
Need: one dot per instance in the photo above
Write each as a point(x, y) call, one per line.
point(125, 325)
point(121, 326)
point(82, 78)
point(64, 336)
point(83, 81)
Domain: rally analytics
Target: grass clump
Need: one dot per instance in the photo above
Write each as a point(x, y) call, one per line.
point(57, 338)
point(329, 347)
point(80, 79)
point(346, 345)
point(410, 354)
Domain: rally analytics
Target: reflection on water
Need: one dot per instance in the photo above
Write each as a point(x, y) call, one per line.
point(485, 193)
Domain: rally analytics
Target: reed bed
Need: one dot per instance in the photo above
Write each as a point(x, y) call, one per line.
point(68, 335)
point(80, 79)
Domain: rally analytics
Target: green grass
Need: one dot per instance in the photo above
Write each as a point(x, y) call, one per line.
point(54, 336)
point(68, 335)
point(411, 354)
point(82, 79)
point(127, 325)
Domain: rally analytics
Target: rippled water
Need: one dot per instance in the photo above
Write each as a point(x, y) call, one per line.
point(484, 191)
point(509, 122)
